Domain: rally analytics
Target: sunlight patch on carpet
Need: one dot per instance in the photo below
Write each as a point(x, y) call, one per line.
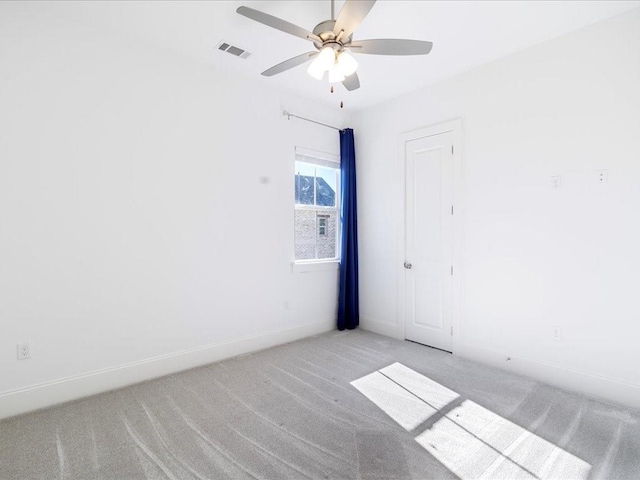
point(471, 441)
point(406, 396)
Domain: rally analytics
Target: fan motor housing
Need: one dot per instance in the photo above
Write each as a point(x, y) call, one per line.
point(324, 30)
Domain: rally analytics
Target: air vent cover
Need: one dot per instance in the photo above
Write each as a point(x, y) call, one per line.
point(233, 50)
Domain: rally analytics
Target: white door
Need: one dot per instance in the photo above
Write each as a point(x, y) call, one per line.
point(429, 240)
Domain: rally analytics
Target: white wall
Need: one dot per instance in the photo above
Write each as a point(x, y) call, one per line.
point(137, 233)
point(533, 257)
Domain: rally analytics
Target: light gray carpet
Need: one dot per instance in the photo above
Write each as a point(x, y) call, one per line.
point(292, 412)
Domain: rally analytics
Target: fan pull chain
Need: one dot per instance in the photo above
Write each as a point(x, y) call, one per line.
point(341, 105)
point(331, 88)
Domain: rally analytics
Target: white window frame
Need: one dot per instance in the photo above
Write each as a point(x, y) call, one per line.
point(322, 159)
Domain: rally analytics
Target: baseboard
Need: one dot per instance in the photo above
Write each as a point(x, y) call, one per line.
point(610, 389)
point(381, 327)
point(567, 378)
point(35, 397)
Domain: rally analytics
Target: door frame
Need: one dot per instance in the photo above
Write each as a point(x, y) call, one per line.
point(454, 126)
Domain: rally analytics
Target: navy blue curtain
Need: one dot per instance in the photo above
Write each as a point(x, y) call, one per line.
point(348, 307)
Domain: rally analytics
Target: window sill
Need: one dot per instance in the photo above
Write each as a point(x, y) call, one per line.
point(314, 266)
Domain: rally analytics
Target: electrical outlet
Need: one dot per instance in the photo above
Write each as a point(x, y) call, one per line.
point(24, 351)
point(602, 176)
point(556, 182)
point(557, 333)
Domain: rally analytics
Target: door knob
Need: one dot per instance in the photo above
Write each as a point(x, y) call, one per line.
point(407, 265)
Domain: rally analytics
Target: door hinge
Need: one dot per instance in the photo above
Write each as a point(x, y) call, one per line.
point(451, 209)
point(451, 149)
point(451, 269)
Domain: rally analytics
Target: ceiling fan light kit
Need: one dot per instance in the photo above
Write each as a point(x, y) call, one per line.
point(316, 71)
point(348, 65)
point(333, 40)
point(322, 63)
point(335, 74)
point(338, 65)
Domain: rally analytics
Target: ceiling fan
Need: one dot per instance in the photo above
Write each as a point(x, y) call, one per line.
point(333, 40)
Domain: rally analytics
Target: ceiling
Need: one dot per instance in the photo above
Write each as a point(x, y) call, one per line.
point(465, 34)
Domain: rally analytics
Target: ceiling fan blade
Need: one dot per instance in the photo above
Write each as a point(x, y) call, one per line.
point(391, 46)
point(351, 15)
point(287, 64)
point(352, 82)
point(277, 23)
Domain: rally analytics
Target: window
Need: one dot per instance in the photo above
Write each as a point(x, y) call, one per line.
point(322, 225)
point(317, 210)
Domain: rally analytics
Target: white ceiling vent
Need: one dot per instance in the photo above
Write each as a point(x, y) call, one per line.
point(233, 50)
